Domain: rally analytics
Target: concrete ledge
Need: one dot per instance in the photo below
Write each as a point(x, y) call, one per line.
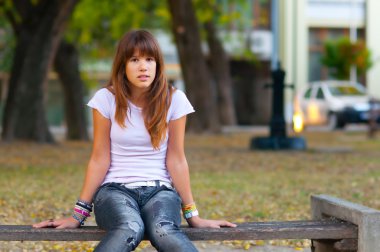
point(367, 219)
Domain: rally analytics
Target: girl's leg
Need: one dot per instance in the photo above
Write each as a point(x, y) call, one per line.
point(118, 214)
point(162, 218)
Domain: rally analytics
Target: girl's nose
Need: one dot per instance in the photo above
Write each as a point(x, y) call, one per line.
point(143, 65)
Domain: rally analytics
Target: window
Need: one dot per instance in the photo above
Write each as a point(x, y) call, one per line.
point(308, 93)
point(317, 38)
point(315, 67)
point(320, 94)
point(345, 90)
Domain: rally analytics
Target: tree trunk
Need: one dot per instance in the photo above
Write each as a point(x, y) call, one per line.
point(66, 63)
point(38, 34)
point(197, 79)
point(221, 71)
point(252, 100)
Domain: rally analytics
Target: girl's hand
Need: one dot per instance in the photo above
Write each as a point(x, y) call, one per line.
point(198, 222)
point(68, 222)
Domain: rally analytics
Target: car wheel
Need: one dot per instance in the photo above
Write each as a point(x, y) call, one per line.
point(341, 124)
point(335, 122)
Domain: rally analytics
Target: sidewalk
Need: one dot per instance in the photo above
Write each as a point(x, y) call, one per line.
point(209, 247)
point(60, 131)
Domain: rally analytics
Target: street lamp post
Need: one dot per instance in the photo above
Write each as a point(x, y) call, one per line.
point(353, 37)
point(278, 139)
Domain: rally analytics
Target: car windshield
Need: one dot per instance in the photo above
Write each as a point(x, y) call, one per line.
point(345, 91)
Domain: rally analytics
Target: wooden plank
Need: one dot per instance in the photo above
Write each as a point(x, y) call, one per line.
point(327, 229)
point(278, 230)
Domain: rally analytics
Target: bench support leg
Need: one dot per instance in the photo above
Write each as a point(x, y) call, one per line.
point(367, 219)
point(323, 246)
point(345, 245)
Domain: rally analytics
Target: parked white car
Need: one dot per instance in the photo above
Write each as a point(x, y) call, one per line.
point(332, 103)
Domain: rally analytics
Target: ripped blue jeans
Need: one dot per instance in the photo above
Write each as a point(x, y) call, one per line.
point(126, 214)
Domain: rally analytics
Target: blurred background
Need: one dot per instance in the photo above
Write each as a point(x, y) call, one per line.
point(54, 56)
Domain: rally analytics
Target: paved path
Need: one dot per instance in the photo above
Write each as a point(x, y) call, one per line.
point(209, 247)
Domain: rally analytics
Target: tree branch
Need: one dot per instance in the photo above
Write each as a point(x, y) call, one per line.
point(12, 20)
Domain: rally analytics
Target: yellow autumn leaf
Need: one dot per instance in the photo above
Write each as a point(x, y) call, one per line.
point(260, 242)
point(247, 246)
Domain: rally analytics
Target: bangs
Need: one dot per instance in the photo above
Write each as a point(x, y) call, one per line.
point(142, 44)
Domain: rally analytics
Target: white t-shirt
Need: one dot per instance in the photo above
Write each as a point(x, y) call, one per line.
point(133, 157)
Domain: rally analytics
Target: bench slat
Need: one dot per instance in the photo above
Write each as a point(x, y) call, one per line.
point(330, 229)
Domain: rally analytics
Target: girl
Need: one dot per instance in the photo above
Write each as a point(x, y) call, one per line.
point(138, 177)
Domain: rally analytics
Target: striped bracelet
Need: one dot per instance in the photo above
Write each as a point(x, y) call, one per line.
point(190, 210)
point(191, 214)
point(81, 221)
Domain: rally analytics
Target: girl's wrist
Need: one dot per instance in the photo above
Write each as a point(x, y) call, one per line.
point(81, 211)
point(189, 210)
point(193, 221)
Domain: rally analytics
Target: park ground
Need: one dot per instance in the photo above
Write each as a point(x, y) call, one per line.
point(229, 181)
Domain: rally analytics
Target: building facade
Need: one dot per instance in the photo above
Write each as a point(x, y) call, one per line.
point(306, 24)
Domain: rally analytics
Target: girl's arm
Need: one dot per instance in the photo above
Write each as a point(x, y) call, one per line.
point(179, 172)
point(96, 169)
point(100, 157)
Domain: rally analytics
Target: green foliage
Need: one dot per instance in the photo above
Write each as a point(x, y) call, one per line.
point(224, 14)
point(96, 25)
point(248, 56)
point(341, 54)
point(7, 45)
point(228, 16)
point(89, 81)
point(7, 9)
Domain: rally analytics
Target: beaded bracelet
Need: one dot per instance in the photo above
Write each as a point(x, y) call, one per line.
point(84, 204)
point(81, 221)
point(82, 212)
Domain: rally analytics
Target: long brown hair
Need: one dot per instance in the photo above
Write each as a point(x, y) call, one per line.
point(158, 97)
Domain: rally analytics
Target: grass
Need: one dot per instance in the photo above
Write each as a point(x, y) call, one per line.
point(228, 180)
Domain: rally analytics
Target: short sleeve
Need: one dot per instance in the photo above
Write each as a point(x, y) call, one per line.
point(101, 102)
point(180, 105)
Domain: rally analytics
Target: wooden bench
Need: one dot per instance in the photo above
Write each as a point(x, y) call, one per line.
point(338, 225)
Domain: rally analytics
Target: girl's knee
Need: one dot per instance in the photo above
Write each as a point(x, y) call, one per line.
point(132, 232)
point(165, 235)
point(123, 237)
point(133, 226)
point(164, 227)
point(131, 238)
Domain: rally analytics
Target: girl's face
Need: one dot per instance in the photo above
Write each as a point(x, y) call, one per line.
point(140, 71)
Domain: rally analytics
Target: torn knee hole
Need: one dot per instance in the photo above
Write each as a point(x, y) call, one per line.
point(161, 231)
point(130, 240)
point(164, 223)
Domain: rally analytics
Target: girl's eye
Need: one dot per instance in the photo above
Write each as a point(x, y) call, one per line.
point(150, 59)
point(134, 59)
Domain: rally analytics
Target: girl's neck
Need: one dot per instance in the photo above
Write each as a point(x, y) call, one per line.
point(138, 100)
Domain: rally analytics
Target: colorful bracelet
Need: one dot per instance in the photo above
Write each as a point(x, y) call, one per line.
point(84, 204)
point(82, 208)
point(190, 210)
point(191, 214)
point(82, 212)
point(81, 221)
